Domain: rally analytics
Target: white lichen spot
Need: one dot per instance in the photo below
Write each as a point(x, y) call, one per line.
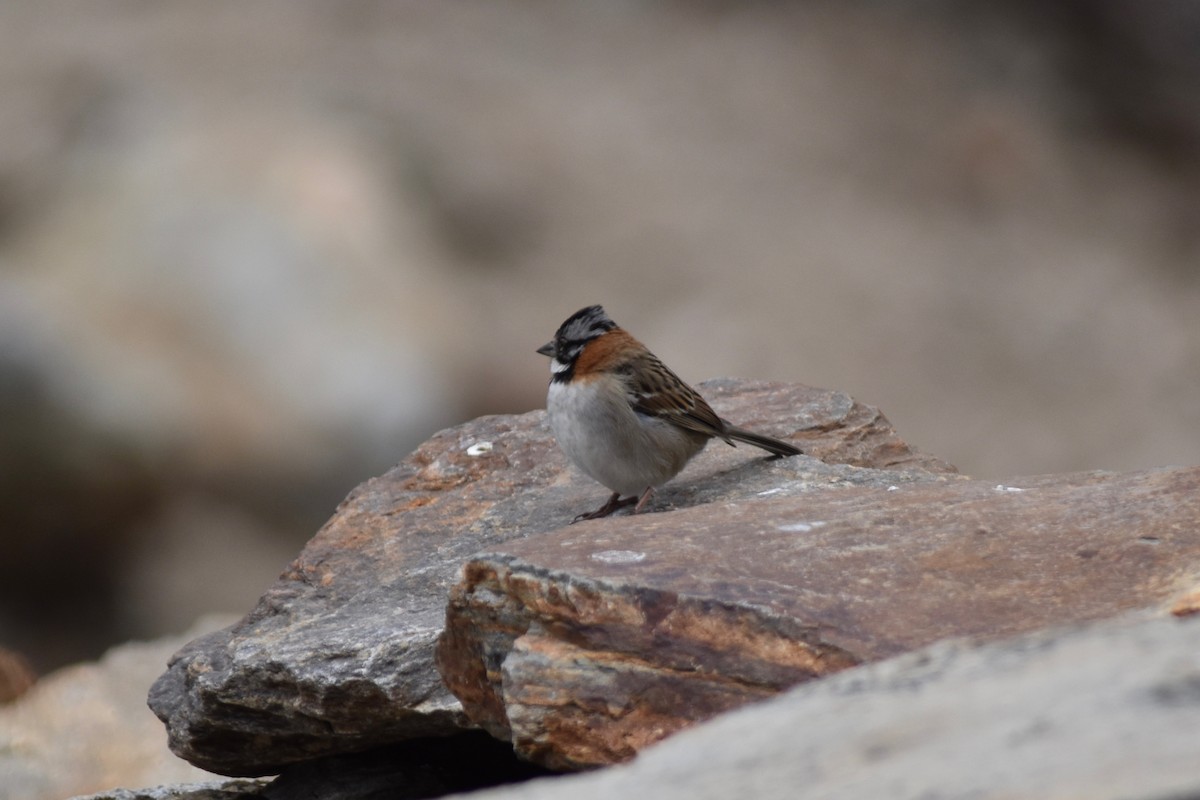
point(479, 448)
point(618, 556)
point(800, 527)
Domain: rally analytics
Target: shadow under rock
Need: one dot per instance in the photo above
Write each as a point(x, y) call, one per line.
point(410, 771)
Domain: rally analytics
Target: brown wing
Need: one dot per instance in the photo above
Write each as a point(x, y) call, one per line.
point(656, 391)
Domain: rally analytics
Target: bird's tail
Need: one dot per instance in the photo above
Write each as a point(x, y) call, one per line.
point(773, 446)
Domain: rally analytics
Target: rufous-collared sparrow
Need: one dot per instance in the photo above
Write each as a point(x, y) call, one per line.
point(622, 416)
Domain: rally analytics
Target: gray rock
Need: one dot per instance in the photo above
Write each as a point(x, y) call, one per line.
point(432, 767)
point(208, 790)
point(1103, 712)
point(86, 727)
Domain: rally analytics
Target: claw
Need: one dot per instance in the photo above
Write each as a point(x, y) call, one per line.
point(615, 502)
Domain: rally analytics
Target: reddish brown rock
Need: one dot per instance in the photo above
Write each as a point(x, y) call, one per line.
point(1187, 603)
point(585, 645)
point(338, 656)
point(16, 676)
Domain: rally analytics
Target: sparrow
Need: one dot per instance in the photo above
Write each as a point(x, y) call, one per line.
point(622, 417)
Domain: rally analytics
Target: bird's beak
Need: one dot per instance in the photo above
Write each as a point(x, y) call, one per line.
point(547, 349)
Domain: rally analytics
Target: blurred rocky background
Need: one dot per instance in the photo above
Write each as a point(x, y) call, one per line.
point(252, 254)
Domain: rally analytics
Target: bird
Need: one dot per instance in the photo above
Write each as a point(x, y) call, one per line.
point(623, 417)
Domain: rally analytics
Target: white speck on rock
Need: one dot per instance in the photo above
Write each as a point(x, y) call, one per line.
point(479, 448)
point(768, 492)
point(1000, 487)
point(800, 527)
point(618, 556)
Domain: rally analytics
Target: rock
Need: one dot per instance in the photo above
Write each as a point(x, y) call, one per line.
point(86, 727)
point(196, 284)
point(585, 645)
point(338, 656)
point(207, 790)
point(1188, 603)
point(429, 768)
point(276, 291)
point(205, 307)
point(1104, 712)
point(16, 676)
point(73, 500)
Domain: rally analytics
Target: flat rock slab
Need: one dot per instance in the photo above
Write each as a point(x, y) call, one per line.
point(338, 656)
point(586, 645)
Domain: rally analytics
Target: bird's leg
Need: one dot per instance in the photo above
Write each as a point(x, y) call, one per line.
point(612, 505)
point(645, 498)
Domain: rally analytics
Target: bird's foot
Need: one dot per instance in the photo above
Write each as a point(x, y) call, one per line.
point(615, 502)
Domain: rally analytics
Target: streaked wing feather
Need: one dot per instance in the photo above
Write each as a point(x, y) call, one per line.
point(657, 391)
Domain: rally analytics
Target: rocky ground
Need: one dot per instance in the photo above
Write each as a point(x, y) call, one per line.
point(1032, 638)
point(251, 255)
